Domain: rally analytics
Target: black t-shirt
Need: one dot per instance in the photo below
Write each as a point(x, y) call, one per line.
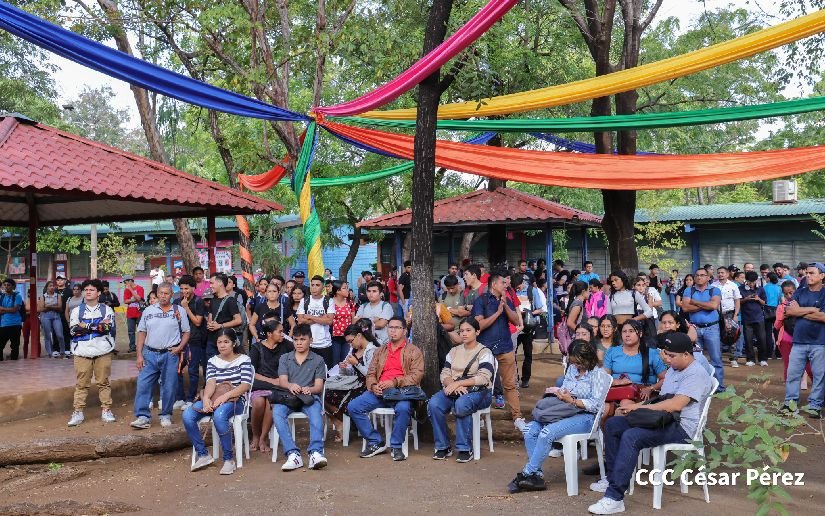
point(227, 313)
point(64, 294)
point(654, 282)
point(197, 334)
point(406, 283)
point(261, 310)
point(362, 294)
point(265, 362)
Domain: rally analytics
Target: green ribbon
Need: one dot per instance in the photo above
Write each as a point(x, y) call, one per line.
point(613, 123)
point(357, 178)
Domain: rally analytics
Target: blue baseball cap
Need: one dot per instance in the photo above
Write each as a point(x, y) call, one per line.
point(819, 266)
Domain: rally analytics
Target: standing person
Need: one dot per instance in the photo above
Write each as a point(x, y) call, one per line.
point(773, 297)
point(673, 288)
point(454, 300)
point(224, 313)
point(265, 355)
point(624, 302)
point(200, 280)
point(764, 270)
point(272, 302)
point(654, 279)
point(405, 286)
point(363, 281)
point(318, 311)
point(299, 278)
point(241, 298)
point(522, 269)
point(196, 313)
point(731, 304)
point(392, 289)
point(397, 364)
point(596, 305)
point(784, 338)
point(808, 307)
point(686, 283)
point(701, 302)
point(110, 299)
point(64, 290)
point(328, 275)
point(50, 321)
point(532, 301)
point(493, 311)
point(157, 274)
point(753, 319)
point(454, 272)
point(587, 274)
point(344, 310)
point(73, 302)
point(260, 297)
point(11, 323)
point(132, 298)
point(93, 347)
point(467, 380)
point(163, 332)
point(561, 281)
point(230, 366)
point(801, 267)
point(376, 310)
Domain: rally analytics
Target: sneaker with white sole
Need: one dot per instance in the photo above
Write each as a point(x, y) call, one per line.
point(228, 467)
point(141, 423)
point(178, 405)
point(67, 354)
point(165, 421)
point(202, 461)
point(55, 354)
point(600, 486)
point(763, 363)
point(734, 363)
point(556, 453)
point(77, 418)
point(107, 417)
point(749, 363)
point(317, 461)
point(521, 425)
point(607, 506)
point(292, 462)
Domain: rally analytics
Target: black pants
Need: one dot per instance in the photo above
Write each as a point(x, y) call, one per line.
point(770, 342)
point(755, 332)
point(526, 341)
point(10, 334)
point(326, 354)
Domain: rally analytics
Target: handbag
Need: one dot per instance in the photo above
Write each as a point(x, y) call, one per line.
point(624, 392)
point(530, 320)
point(465, 376)
point(220, 389)
point(295, 402)
point(340, 382)
point(408, 393)
point(652, 419)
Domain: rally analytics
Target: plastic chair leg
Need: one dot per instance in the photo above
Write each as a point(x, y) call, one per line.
point(571, 469)
point(600, 457)
point(345, 427)
point(388, 422)
point(583, 446)
point(273, 442)
point(238, 430)
point(415, 433)
point(216, 444)
point(489, 420)
point(659, 458)
point(405, 446)
point(476, 436)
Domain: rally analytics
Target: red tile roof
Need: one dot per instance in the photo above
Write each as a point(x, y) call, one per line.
point(76, 180)
point(501, 206)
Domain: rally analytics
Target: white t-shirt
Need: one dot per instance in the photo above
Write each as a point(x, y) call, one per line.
point(157, 276)
point(652, 292)
point(320, 332)
point(730, 293)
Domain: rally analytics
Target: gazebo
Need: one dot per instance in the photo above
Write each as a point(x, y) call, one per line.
point(49, 177)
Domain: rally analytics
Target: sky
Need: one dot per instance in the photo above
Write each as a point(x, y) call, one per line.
point(71, 77)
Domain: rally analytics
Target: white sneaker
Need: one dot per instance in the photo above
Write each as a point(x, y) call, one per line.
point(749, 363)
point(178, 405)
point(734, 363)
point(292, 462)
point(607, 506)
point(317, 461)
point(165, 421)
point(600, 486)
point(228, 467)
point(77, 418)
point(520, 424)
point(763, 363)
point(107, 416)
point(68, 354)
point(202, 462)
point(55, 354)
point(556, 453)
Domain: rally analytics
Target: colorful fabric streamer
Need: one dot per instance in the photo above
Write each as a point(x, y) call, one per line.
point(613, 123)
point(630, 79)
point(584, 148)
point(424, 67)
point(137, 72)
point(599, 170)
point(306, 203)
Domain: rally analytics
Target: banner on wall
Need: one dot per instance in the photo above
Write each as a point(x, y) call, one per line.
point(223, 260)
point(17, 265)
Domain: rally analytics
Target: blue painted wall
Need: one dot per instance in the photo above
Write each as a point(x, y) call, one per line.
point(334, 257)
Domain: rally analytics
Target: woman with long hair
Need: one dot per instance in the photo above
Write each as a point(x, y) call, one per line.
point(48, 305)
point(624, 302)
point(575, 312)
point(607, 335)
point(265, 354)
point(272, 302)
point(634, 362)
point(295, 297)
point(773, 293)
point(686, 283)
point(344, 310)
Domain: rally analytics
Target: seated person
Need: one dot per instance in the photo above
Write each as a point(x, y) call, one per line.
point(467, 378)
point(232, 366)
point(578, 390)
point(363, 347)
point(690, 385)
point(397, 364)
point(633, 362)
point(265, 355)
point(302, 372)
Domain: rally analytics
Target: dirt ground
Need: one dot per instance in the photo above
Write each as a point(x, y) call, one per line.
point(163, 484)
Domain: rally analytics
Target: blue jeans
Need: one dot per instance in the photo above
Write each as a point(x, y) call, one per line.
point(156, 366)
point(672, 300)
point(340, 349)
point(622, 444)
point(316, 427)
point(50, 321)
point(708, 339)
point(800, 355)
point(539, 438)
point(739, 345)
point(211, 350)
point(131, 326)
point(440, 405)
point(197, 362)
point(360, 408)
point(220, 418)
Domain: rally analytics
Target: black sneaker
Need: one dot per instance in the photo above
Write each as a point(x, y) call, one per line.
point(814, 413)
point(513, 486)
point(532, 483)
point(443, 454)
point(397, 454)
point(784, 409)
point(373, 449)
point(525, 385)
point(464, 456)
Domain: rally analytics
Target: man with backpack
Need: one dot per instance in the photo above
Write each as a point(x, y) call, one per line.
point(378, 311)
point(163, 332)
point(318, 311)
point(224, 312)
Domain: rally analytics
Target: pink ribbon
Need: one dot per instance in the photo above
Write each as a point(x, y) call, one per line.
point(463, 37)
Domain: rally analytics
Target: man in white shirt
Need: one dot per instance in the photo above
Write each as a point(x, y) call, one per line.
point(318, 311)
point(730, 301)
point(157, 276)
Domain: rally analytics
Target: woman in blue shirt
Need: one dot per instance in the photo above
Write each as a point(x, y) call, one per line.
point(773, 294)
point(634, 363)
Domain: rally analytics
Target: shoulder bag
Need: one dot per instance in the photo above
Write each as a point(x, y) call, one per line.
point(295, 402)
point(408, 393)
point(466, 376)
point(624, 392)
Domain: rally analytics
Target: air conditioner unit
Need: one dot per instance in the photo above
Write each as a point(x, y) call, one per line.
point(784, 191)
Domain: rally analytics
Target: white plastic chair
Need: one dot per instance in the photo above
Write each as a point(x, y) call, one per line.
point(488, 421)
point(274, 438)
point(386, 416)
point(660, 454)
point(570, 442)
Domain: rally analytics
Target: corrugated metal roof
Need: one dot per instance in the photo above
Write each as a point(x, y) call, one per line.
point(165, 226)
point(747, 210)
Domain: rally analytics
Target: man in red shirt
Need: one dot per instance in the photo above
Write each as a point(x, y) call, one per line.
point(392, 288)
point(398, 364)
point(132, 296)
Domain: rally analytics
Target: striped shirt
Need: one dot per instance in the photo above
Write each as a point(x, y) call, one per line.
point(236, 372)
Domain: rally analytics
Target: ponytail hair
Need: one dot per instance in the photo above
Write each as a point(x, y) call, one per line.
point(362, 327)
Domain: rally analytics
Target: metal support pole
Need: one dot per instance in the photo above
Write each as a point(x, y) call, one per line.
point(93, 252)
point(548, 251)
point(399, 251)
point(584, 247)
point(34, 322)
point(210, 242)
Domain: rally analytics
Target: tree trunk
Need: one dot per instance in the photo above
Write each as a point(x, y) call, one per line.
point(150, 128)
point(423, 197)
point(466, 245)
point(352, 253)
